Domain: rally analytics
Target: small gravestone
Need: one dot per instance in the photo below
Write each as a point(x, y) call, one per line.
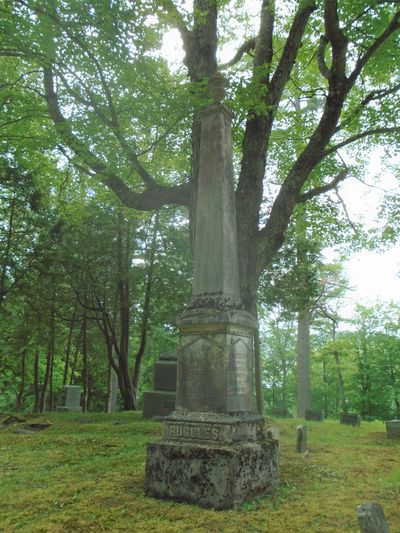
point(350, 419)
point(273, 433)
point(393, 429)
point(371, 518)
point(161, 401)
point(312, 414)
point(71, 399)
point(301, 439)
point(280, 412)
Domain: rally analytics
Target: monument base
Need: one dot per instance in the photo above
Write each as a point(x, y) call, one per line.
point(221, 477)
point(158, 403)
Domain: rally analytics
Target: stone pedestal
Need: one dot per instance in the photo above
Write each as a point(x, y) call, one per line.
point(71, 399)
point(222, 477)
point(214, 450)
point(161, 401)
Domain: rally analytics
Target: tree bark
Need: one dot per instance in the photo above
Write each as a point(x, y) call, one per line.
point(21, 389)
point(303, 363)
point(49, 360)
point(146, 309)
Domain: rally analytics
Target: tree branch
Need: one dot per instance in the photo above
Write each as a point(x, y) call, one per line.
point(290, 50)
point(375, 131)
point(393, 26)
point(244, 49)
point(312, 193)
point(323, 68)
point(153, 197)
point(338, 41)
point(373, 95)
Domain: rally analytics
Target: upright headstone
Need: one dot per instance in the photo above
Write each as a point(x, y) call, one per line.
point(71, 399)
point(161, 401)
point(113, 392)
point(371, 518)
point(301, 439)
point(350, 419)
point(393, 429)
point(313, 414)
point(214, 451)
point(280, 412)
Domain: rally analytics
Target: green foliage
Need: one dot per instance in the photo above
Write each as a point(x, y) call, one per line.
point(367, 356)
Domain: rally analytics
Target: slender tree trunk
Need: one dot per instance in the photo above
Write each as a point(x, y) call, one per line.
point(49, 360)
point(146, 309)
point(76, 355)
point(85, 365)
point(258, 373)
point(112, 390)
point(325, 383)
point(36, 381)
point(124, 313)
point(3, 275)
point(303, 363)
point(21, 389)
point(342, 396)
point(69, 343)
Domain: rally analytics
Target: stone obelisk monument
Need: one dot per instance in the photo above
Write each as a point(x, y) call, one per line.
point(214, 451)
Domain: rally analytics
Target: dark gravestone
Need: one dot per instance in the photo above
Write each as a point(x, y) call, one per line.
point(71, 399)
point(214, 451)
point(371, 518)
point(280, 412)
point(393, 429)
point(312, 414)
point(350, 419)
point(301, 439)
point(161, 401)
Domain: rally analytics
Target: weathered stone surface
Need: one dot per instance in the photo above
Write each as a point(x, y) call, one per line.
point(273, 433)
point(312, 414)
point(371, 518)
point(214, 452)
point(71, 399)
point(301, 439)
point(222, 477)
point(158, 403)
point(393, 429)
point(165, 373)
point(216, 266)
point(350, 419)
point(215, 361)
point(280, 412)
point(214, 427)
point(161, 401)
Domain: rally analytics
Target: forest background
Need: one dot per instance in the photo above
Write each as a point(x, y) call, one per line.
point(99, 138)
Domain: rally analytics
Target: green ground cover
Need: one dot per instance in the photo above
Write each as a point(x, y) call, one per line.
point(85, 473)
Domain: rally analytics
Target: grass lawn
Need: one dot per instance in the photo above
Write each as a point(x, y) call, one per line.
point(86, 472)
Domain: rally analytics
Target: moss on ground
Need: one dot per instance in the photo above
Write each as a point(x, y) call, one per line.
point(85, 473)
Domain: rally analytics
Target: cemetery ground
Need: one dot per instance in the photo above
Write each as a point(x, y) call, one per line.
point(85, 472)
